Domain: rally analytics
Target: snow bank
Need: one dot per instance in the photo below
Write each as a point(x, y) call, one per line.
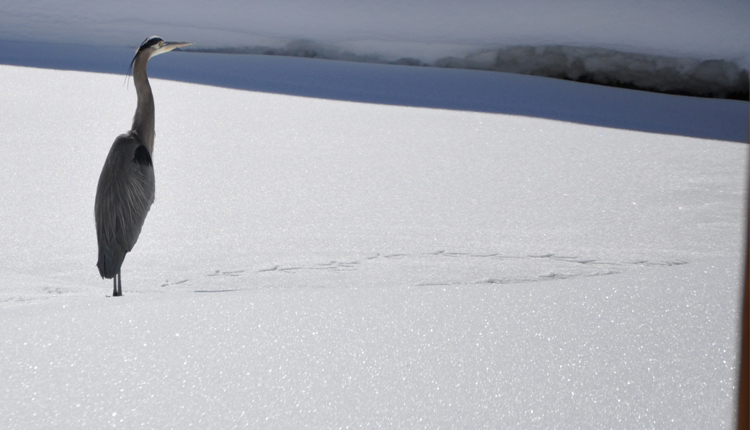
point(686, 76)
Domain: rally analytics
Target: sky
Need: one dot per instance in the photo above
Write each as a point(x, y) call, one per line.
point(414, 28)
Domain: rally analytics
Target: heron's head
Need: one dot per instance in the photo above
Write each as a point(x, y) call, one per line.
point(155, 45)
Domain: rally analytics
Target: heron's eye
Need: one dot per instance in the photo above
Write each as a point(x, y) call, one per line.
point(161, 43)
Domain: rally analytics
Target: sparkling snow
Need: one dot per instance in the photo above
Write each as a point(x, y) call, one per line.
point(339, 245)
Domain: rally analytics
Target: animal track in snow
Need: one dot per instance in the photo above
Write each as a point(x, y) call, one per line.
point(169, 284)
point(464, 268)
point(331, 266)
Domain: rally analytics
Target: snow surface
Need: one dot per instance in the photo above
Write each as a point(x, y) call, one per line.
point(652, 348)
point(324, 264)
point(339, 245)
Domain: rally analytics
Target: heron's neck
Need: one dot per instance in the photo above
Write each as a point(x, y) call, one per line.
point(143, 120)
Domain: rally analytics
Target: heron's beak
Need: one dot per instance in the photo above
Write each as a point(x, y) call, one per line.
point(168, 46)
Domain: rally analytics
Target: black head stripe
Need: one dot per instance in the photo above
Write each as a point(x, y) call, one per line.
point(149, 42)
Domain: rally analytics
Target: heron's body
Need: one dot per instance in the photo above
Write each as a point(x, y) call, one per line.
point(126, 185)
point(123, 198)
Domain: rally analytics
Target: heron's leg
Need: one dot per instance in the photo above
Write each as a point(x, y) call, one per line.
point(118, 285)
point(114, 286)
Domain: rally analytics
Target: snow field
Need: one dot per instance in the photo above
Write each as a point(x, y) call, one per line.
point(582, 353)
point(341, 264)
point(338, 244)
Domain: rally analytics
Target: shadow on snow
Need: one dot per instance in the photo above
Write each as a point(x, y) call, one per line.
point(454, 89)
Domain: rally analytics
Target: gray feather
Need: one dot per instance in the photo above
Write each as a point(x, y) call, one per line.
point(123, 198)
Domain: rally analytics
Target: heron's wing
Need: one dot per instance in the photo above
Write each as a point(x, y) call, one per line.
point(123, 198)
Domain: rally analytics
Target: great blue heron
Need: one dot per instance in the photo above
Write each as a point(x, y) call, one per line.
point(126, 186)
